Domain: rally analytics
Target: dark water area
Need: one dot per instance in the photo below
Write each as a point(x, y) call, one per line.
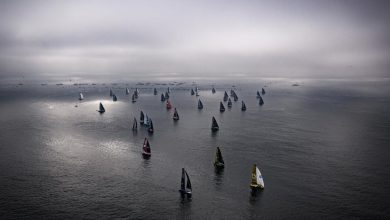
point(322, 147)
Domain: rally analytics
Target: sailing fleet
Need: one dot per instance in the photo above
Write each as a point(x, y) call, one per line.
point(257, 181)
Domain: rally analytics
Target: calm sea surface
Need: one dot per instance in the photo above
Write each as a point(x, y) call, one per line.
point(323, 148)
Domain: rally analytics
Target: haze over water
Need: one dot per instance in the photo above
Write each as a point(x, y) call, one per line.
point(322, 148)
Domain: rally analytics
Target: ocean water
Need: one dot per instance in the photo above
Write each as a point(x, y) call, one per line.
point(322, 147)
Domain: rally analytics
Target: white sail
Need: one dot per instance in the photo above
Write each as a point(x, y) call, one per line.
point(259, 178)
point(81, 97)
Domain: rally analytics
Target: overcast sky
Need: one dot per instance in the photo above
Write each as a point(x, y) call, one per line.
point(291, 38)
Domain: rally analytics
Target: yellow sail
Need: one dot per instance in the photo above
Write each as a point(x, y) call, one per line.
point(254, 179)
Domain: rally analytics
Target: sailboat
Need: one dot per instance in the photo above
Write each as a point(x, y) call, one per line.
point(219, 163)
point(185, 189)
point(114, 98)
point(229, 103)
point(155, 91)
point(133, 98)
point(213, 90)
point(169, 105)
point(168, 90)
point(142, 118)
point(146, 120)
point(127, 91)
point(262, 91)
point(243, 106)
point(261, 102)
point(225, 97)
point(166, 95)
point(151, 128)
point(111, 93)
point(257, 181)
point(214, 125)
point(221, 107)
point(135, 124)
point(146, 152)
point(192, 92)
point(162, 97)
point(235, 97)
point(81, 96)
point(175, 115)
point(200, 104)
point(196, 91)
point(258, 94)
point(101, 108)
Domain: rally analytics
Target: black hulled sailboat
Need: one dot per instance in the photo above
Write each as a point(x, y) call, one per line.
point(243, 106)
point(261, 101)
point(146, 151)
point(229, 103)
point(221, 107)
point(200, 104)
point(101, 108)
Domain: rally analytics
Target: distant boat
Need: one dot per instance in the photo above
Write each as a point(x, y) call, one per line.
point(168, 90)
point(101, 108)
point(142, 118)
point(262, 91)
point(146, 120)
point(229, 103)
point(146, 152)
point(213, 90)
point(185, 189)
point(162, 97)
point(235, 97)
point(219, 163)
point(114, 98)
point(200, 104)
point(243, 106)
point(261, 102)
point(151, 128)
point(135, 124)
point(196, 91)
point(257, 181)
point(175, 115)
point(221, 107)
point(258, 94)
point(127, 91)
point(231, 92)
point(214, 125)
point(155, 91)
point(225, 97)
point(81, 96)
point(169, 105)
point(192, 92)
point(133, 98)
point(111, 93)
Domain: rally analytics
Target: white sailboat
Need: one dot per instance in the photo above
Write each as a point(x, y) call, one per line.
point(257, 181)
point(81, 96)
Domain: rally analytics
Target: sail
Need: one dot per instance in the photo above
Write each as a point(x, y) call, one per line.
point(81, 97)
point(151, 129)
point(101, 108)
point(219, 163)
point(200, 104)
point(214, 124)
point(229, 103)
point(259, 178)
point(221, 107)
point(168, 90)
point(258, 94)
point(188, 186)
point(254, 177)
point(175, 115)
point(114, 98)
point(155, 91)
point(146, 146)
point(166, 95)
point(213, 90)
point(135, 124)
point(133, 98)
point(261, 102)
point(243, 106)
point(183, 180)
point(162, 97)
point(192, 92)
point(127, 91)
point(262, 91)
point(142, 118)
point(225, 97)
